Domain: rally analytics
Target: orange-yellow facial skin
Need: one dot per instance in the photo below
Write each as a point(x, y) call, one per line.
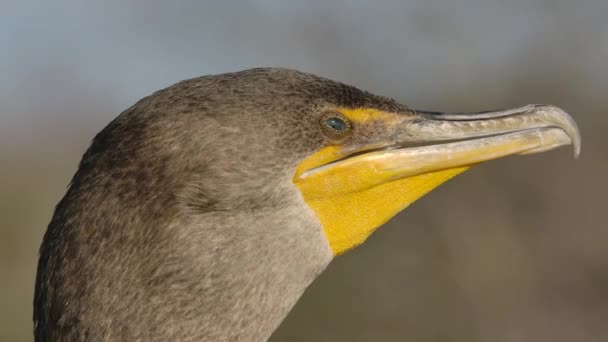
point(322, 157)
point(360, 116)
point(351, 203)
point(366, 115)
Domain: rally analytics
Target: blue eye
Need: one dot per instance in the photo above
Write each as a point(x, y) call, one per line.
point(337, 124)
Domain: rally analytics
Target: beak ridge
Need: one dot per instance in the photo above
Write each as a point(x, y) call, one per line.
point(489, 123)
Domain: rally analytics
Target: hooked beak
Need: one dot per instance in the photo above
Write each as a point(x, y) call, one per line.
point(394, 159)
point(431, 141)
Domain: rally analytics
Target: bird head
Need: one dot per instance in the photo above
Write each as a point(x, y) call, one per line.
point(355, 158)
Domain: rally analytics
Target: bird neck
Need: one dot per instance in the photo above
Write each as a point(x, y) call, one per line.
point(219, 275)
point(264, 264)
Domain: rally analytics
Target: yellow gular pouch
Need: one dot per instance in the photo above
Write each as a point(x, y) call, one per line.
point(351, 204)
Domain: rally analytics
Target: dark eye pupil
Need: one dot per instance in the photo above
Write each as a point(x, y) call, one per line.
point(336, 123)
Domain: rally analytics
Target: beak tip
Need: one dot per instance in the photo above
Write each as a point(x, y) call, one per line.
point(565, 122)
point(577, 151)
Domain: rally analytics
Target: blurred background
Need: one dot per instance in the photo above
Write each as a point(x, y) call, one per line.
point(512, 250)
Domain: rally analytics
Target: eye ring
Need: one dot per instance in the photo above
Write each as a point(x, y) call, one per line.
point(335, 125)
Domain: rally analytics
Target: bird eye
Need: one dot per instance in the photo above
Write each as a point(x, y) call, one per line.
point(335, 125)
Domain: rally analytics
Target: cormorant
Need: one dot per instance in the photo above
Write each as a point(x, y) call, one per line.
point(204, 211)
